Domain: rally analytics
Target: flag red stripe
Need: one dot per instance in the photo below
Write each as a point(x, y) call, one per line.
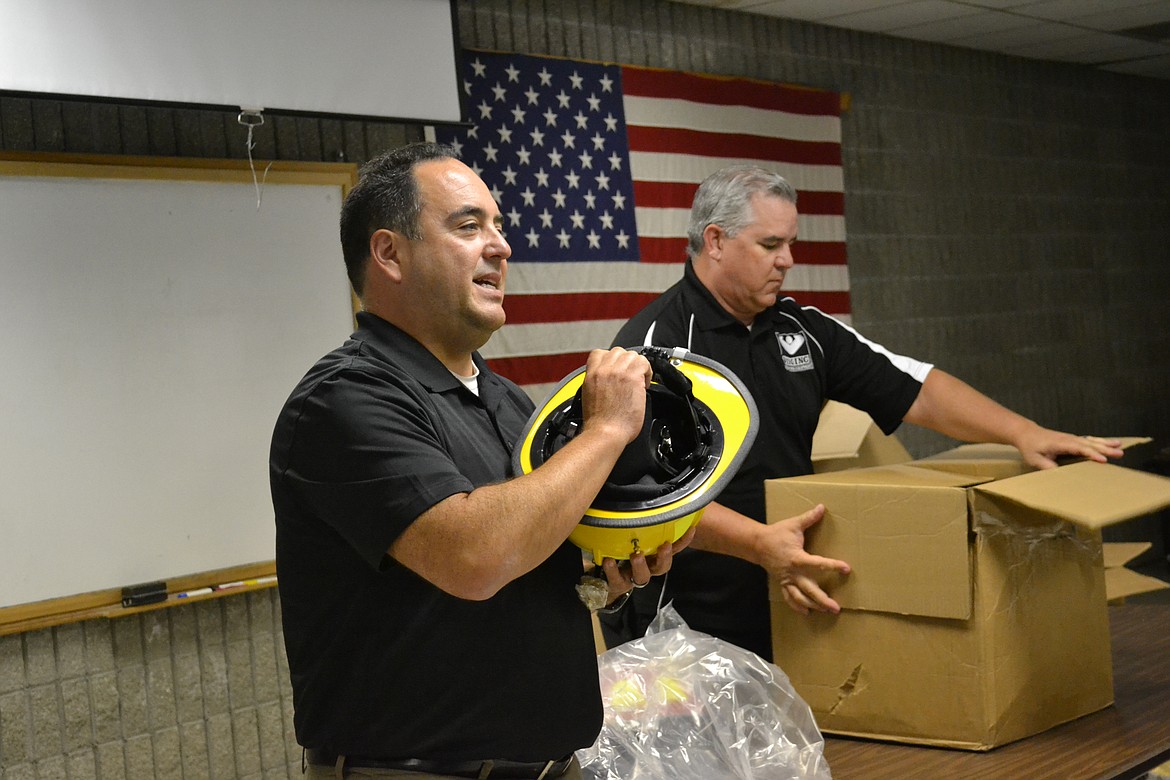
point(679, 195)
point(662, 250)
point(817, 202)
point(567, 307)
point(543, 369)
point(728, 92)
point(538, 369)
point(675, 140)
point(819, 252)
point(674, 250)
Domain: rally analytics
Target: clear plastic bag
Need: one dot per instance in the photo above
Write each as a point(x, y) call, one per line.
point(683, 705)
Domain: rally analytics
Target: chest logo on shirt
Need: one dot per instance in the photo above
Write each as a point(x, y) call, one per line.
point(794, 352)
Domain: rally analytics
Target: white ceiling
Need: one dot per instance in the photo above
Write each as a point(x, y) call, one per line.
point(1126, 36)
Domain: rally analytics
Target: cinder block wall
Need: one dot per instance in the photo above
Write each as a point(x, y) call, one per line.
point(199, 691)
point(1008, 220)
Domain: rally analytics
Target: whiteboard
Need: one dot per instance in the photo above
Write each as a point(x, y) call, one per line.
point(378, 58)
point(150, 330)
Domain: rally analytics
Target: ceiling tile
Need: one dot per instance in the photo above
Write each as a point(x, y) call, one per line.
point(1019, 36)
point(1158, 67)
point(893, 17)
point(1091, 47)
point(1078, 31)
point(1125, 18)
point(998, 4)
point(959, 27)
point(1067, 10)
point(738, 5)
point(811, 10)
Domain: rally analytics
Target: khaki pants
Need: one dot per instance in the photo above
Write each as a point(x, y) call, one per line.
point(317, 772)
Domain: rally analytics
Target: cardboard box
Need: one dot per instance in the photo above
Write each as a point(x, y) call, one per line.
point(848, 438)
point(1122, 582)
point(975, 614)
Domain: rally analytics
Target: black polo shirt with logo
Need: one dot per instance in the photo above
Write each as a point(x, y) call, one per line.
point(792, 360)
point(384, 664)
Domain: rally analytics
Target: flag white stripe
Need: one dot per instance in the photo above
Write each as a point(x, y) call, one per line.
point(705, 117)
point(692, 169)
point(671, 223)
point(556, 278)
point(568, 278)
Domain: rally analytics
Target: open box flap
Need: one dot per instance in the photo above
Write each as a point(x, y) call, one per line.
point(1120, 583)
point(847, 438)
point(1092, 495)
point(1121, 553)
point(994, 461)
point(908, 474)
point(978, 452)
point(839, 432)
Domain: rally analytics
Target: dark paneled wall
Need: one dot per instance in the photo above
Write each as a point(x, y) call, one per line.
point(1008, 220)
point(46, 125)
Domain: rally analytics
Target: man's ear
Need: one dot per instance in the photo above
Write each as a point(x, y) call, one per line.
point(713, 238)
point(386, 253)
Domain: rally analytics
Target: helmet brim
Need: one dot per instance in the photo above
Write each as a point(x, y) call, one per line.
point(615, 526)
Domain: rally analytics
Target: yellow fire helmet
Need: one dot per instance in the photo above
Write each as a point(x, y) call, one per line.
point(700, 423)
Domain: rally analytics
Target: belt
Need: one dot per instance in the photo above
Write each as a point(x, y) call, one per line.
point(495, 769)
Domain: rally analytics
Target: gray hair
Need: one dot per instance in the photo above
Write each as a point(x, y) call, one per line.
point(724, 199)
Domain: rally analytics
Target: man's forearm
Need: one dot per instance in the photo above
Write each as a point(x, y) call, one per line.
point(725, 531)
point(472, 544)
point(953, 408)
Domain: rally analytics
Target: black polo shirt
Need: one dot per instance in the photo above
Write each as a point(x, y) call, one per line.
point(792, 360)
point(383, 663)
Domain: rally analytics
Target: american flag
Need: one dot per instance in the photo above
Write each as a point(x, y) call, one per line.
point(595, 166)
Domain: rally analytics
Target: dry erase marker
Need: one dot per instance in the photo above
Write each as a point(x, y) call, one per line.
point(243, 583)
point(197, 592)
